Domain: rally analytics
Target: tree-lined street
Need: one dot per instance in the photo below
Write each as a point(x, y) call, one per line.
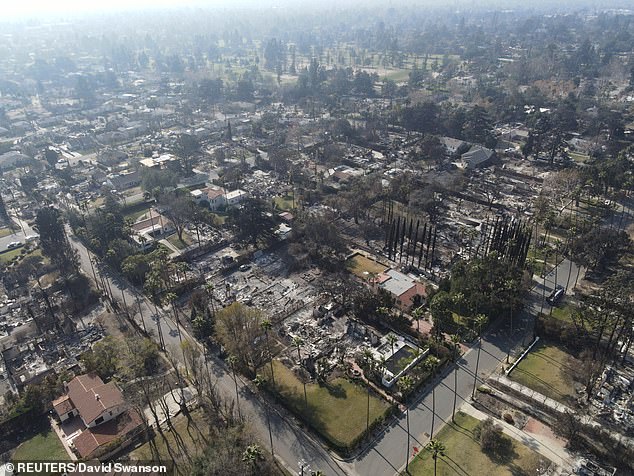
point(386, 454)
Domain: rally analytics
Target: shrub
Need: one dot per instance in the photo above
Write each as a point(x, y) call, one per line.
point(508, 418)
point(490, 436)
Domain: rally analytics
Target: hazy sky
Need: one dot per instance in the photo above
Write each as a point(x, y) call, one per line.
point(27, 8)
point(20, 8)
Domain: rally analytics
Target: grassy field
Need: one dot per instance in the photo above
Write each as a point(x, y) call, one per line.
point(336, 410)
point(284, 203)
point(193, 437)
point(44, 446)
point(134, 211)
point(577, 157)
point(465, 457)
point(173, 239)
point(9, 255)
point(564, 313)
point(5, 231)
point(549, 370)
point(362, 266)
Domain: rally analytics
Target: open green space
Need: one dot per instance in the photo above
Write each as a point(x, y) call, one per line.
point(577, 157)
point(96, 203)
point(181, 245)
point(284, 203)
point(337, 410)
point(549, 370)
point(135, 211)
point(362, 266)
point(564, 313)
point(8, 256)
point(464, 456)
point(5, 231)
point(397, 75)
point(44, 446)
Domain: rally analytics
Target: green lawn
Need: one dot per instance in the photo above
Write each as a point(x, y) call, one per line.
point(337, 411)
point(9, 255)
point(463, 455)
point(564, 313)
point(397, 75)
point(135, 211)
point(549, 370)
point(362, 266)
point(577, 157)
point(284, 203)
point(44, 446)
point(173, 239)
point(5, 232)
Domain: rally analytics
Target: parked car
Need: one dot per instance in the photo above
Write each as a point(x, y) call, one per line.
point(13, 244)
point(556, 295)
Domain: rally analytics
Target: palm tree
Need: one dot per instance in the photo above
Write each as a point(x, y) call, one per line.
point(405, 384)
point(432, 364)
point(298, 342)
point(455, 339)
point(391, 339)
point(370, 364)
point(259, 382)
point(418, 314)
point(266, 326)
point(382, 363)
point(252, 454)
point(480, 320)
point(368, 361)
point(232, 360)
point(437, 449)
point(209, 289)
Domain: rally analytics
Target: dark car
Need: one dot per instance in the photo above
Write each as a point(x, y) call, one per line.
point(556, 295)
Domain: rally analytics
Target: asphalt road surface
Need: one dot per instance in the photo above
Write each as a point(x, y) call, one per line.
point(388, 453)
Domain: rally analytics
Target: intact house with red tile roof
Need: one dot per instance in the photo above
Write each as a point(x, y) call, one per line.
point(407, 292)
point(102, 410)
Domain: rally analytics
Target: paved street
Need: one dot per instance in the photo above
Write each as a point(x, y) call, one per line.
point(389, 453)
point(387, 456)
point(290, 442)
point(22, 230)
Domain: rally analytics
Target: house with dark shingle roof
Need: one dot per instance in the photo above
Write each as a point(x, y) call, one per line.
point(477, 156)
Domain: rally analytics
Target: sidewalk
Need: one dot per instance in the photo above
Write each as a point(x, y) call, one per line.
point(175, 252)
point(551, 448)
point(532, 394)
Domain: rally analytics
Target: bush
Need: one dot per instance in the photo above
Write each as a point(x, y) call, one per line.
point(491, 438)
point(508, 418)
point(440, 350)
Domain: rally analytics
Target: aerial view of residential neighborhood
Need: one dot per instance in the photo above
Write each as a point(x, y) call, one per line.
point(339, 238)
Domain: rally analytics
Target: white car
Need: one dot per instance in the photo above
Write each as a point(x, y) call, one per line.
point(13, 244)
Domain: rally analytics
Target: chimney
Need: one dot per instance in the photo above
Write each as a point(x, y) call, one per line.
point(97, 397)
